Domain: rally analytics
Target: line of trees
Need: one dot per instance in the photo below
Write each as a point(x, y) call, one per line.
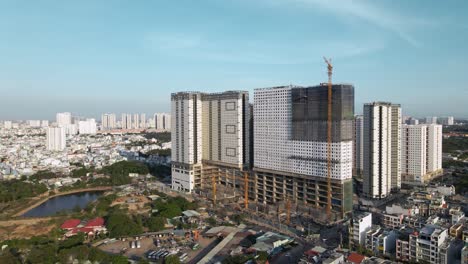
point(17, 190)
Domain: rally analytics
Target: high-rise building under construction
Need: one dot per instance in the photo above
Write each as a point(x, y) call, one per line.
point(210, 138)
point(290, 147)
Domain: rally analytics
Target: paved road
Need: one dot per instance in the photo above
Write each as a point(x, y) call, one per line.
point(205, 251)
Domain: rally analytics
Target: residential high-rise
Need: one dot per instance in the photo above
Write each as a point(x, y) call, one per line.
point(358, 161)
point(446, 121)
point(431, 120)
point(136, 121)
point(290, 147)
point(162, 121)
point(412, 121)
point(434, 148)
point(126, 121)
point(44, 123)
point(56, 138)
point(382, 149)
point(34, 123)
point(221, 122)
point(108, 121)
point(143, 121)
point(64, 119)
point(186, 140)
point(87, 127)
point(225, 126)
point(421, 157)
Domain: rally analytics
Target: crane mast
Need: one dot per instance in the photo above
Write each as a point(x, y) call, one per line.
point(329, 136)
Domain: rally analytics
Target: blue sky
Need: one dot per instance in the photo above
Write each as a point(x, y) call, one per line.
point(95, 56)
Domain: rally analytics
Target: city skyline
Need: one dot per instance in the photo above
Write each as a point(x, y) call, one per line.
point(85, 57)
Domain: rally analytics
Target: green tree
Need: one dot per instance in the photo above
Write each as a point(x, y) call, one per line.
point(172, 259)
point(211, 221)
point(156, 223)
point(43, 255)
point(120, 224)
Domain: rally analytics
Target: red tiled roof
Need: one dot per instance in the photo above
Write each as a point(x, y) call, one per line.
point(95, 222)
point(71, 223)
point(356, 258)
point(82, 229)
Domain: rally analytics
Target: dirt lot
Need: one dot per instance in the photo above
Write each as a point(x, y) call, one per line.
point(25, 228)
point(136, 204)
point(148, 245)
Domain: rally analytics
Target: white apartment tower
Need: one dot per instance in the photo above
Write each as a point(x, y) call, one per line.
point(221, 122)
point(126, 121)
point(162, 121)
point(64, 119)
point(421, 155)
point(143, 121)
point(56, 138)
point(87, 127)
point(382, 149)
point(108, 121)
point(434, 148)
point(290, 147)
point(431, 120)
point(446, 121)
point(136, 121)
point(358, 162)
point(186, 139)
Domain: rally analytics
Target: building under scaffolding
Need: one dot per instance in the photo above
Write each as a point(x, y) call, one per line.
point(289, 157)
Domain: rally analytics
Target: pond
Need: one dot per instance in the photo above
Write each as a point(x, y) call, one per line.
point(63, 203)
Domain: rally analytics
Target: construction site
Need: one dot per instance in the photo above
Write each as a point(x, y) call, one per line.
point(291, 196)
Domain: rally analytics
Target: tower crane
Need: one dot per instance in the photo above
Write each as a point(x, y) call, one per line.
point(329, 136)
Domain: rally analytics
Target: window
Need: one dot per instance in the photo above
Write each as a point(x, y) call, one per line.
point(230, 106)
point(230, 152)
point(230, 129)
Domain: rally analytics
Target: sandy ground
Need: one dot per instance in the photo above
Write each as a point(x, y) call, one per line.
point(25, 228)
point(147, 245)
point(136, 207)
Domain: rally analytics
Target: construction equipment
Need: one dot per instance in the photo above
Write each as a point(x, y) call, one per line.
point(246, 190)
point(329, 136)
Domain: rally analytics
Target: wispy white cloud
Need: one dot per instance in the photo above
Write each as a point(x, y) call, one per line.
point(368, 12)
point(255, 51)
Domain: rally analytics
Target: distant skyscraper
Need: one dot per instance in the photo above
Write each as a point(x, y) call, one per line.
point(136, 121)
point(431, 120)
point(421, 158)
point(34, 123)
point(56, 138)
point(108, 121)
point(64, 119)
point(87, 127)
point(412, 121)
point(126, 122)
point(44, 123)
point(446, 121)
point(162, 121)
point(358, 144)
point(143, 121)
point(382, 149)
